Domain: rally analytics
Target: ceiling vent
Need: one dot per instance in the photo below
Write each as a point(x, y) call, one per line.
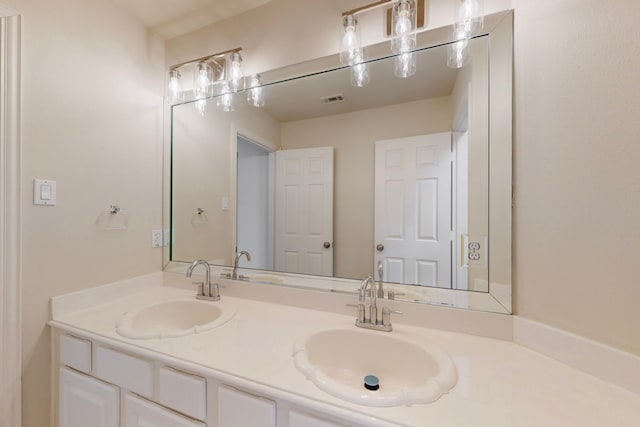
point(332, 99)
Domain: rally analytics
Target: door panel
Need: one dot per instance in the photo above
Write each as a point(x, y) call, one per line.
point(304, 211)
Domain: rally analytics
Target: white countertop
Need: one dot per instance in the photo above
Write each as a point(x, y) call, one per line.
point(500, 383)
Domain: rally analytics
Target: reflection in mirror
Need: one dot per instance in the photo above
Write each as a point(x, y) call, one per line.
point(389, 180)
point(405, 201)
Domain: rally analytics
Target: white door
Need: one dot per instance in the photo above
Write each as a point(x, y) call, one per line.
point(85, 401)
point(304, 211)
point(142, 413)
point(413, 209)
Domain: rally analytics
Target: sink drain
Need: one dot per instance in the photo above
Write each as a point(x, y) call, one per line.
point(371, 382)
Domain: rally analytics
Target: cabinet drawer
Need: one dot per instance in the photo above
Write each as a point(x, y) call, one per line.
point(299, 419)
point(183, 392)
point(126, 371)
point(75, 353)
point(142, 413)
point(236, 409)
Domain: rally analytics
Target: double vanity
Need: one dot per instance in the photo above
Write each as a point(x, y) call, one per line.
point(146, 352)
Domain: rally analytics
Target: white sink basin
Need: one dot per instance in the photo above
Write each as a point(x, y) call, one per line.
point(174, 319)
point(338, 360)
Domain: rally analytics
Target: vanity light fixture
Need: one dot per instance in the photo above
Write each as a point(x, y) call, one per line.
point(219, 73)
point(351, 52)
point(255, 94)
point(402, 24)
point(469, 21)
point(235, 71)
point(174, 90)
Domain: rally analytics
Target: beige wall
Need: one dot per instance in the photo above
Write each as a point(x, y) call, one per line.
point(204, 149)
point(92, 81)
point(577, 201)
point(353, 136)
point(576, 165)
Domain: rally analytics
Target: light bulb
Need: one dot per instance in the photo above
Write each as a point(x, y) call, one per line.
point(202, 81)
point(405, 65)
point(403, 24)
point(360, 75)
point(174, 90)
point(255, 95)
point(235, 71)
point(350, 41)
point(404, 36)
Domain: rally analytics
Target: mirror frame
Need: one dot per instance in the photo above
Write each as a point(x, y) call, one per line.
point(498, 27)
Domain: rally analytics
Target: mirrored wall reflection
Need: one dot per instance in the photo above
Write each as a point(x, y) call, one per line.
point(388, 180)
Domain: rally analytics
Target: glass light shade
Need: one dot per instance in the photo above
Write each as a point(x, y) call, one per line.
point(469, 18)
point(202, 79)
point(360, 74)
point(174, 90)
point(403, 26)
point(255, 94)
point(351, 48)
point(225, 99)
point(405, 65)
point(235, 71)
point(458, 54)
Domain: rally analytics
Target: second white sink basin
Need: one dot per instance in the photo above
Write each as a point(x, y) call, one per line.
point(337, 362)
point(174, 319)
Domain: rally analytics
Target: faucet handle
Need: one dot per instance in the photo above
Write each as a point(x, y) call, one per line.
point(225, 275)
point(200, 287)
point(386, 315)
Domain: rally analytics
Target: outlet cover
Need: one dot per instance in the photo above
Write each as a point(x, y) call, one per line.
point(156, 238)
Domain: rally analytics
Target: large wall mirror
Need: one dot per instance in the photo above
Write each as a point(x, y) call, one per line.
point(407, 180)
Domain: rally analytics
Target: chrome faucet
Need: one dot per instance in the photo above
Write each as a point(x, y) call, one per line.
point(234, 275)
point(372, 322)
point(206, 290)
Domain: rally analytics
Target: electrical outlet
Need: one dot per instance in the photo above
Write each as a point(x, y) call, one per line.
point(156, 238)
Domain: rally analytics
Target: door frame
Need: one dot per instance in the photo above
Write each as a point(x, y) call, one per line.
point(271, 147)
point(10, 217)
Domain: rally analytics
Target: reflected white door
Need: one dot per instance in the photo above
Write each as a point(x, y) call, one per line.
point(304, 211)
point(413, 209)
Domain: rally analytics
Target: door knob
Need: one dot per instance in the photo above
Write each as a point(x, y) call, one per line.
point(326, 245)
point(380, 247)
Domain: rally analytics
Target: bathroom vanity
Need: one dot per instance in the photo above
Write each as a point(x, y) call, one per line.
point(242, 372)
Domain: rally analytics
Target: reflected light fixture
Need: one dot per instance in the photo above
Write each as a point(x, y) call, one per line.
point(405, 65)
point(225, 99)
point(255, 94)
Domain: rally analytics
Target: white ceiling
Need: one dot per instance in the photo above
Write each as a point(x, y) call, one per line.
point(172, 18)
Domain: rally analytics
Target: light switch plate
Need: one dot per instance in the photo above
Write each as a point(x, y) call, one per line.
point(44, 192)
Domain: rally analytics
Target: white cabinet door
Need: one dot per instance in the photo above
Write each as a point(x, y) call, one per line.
point(84, 401)
point(142, 413)
point(238, 409)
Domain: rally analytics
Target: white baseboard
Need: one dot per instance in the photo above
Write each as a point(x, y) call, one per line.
point(600, 360)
